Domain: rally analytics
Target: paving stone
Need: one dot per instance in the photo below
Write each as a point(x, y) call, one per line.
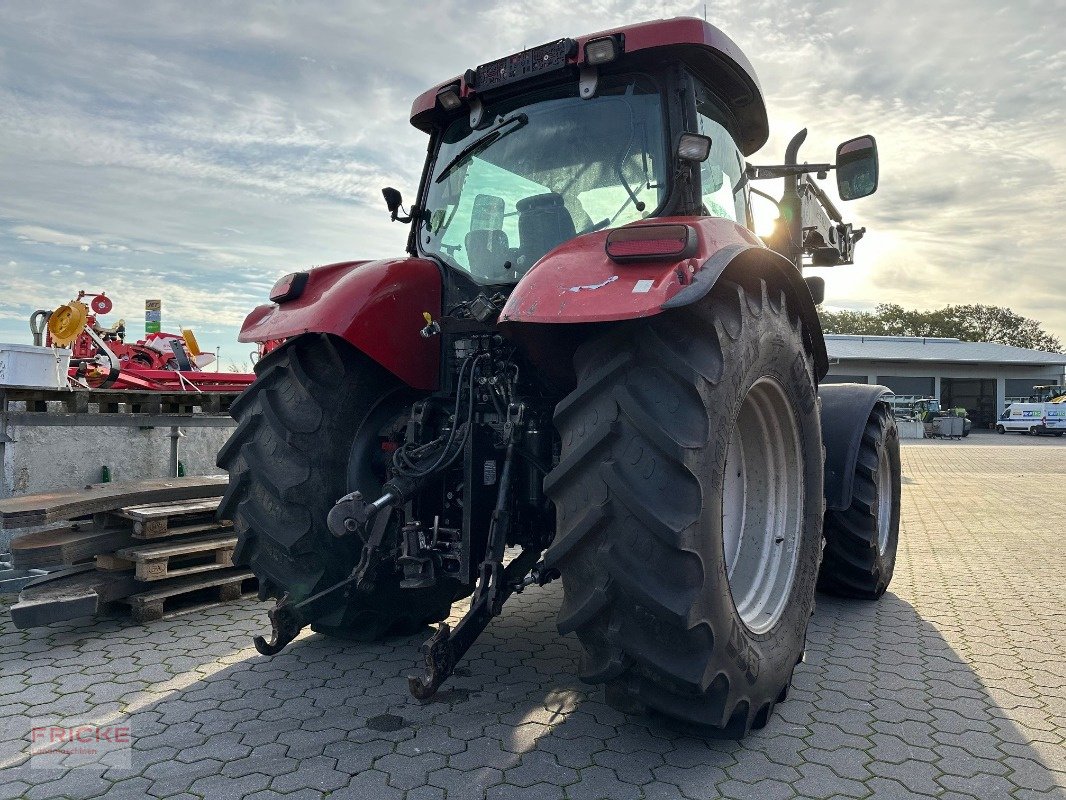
point(538, 791)
point(225, 786)
point(695, 782)
point(819, 781)
point(762, 790)
point(635, 768)
point(466, 783)
point(318, 772)
point(953, 685)
point(537, 767)
point(600, 783)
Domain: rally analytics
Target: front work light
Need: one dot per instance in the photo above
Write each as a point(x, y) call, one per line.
point(601, 51)
point(449, 99)
point(289, 288)
point(651, 243)
point(694, 147)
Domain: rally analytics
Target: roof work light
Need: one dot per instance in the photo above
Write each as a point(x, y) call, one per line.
point(601, 51)
point(449, 99)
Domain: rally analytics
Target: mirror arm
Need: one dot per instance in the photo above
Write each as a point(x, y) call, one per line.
point(786, 170)
point(405, 219)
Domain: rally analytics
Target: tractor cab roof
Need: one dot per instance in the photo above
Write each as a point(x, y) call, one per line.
point(706, 51)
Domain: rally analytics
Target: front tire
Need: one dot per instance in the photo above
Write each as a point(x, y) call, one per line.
point(689, 503)
point(314, 400)
point(861, 541)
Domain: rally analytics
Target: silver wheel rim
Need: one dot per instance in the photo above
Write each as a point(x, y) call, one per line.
point(884, 500)
point(763, 505)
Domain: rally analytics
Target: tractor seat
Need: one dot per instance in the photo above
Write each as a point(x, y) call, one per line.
point(543, 224)
point(487, 251)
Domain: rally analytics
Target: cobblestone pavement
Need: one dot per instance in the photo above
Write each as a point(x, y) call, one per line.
point(954, 685)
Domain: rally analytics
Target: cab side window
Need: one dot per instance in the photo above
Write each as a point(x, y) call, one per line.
point(720, 175)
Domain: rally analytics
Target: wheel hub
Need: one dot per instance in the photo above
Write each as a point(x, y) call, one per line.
point(884, 500)
point(763, 505)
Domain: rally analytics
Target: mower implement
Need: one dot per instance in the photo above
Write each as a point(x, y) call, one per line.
point(101, 358)
point(587, 368)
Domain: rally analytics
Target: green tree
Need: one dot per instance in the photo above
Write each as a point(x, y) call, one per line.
point(970, 323)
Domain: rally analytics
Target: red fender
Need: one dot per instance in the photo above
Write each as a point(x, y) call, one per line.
point(577, 282)
point(376, 306)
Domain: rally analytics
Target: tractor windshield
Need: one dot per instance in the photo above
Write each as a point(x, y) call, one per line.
point(544, 168)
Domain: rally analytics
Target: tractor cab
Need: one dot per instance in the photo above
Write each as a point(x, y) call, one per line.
point(590, 134)
point(582, 135)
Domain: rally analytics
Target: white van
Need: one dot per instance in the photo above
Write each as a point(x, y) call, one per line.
point(1034, 418)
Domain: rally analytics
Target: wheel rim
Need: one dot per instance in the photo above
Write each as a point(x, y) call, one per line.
point(884, 500)
point(763, 505)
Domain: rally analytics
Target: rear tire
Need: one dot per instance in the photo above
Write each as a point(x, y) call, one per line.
point(861, 542)
point(288, 465)
point(644, 518)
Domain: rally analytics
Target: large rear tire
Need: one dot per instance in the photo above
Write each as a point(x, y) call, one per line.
point(861, 541)
point(314, 402)
point(689, 569)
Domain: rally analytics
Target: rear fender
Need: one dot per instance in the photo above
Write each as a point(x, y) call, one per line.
point(761, 262)
point(577, 283)
point(845, 409)
point(376, 306)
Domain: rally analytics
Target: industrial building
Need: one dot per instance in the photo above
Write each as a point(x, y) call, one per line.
point(981, 377)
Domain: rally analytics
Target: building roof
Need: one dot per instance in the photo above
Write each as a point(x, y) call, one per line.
point(844, 347)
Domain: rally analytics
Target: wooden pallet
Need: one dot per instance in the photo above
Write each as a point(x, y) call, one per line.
point(156, 562)
point(68, 544)
point(40, 509)
point(72, 593)
point(164, 520)
point(192, 593)
point(150, 550)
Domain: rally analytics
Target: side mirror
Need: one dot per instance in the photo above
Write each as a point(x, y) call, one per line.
point(857, 168)
point(393, 199)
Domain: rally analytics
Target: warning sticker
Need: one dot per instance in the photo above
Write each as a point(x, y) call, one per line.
point(642, 287)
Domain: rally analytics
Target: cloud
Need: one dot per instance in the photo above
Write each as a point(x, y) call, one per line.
point(197, 153)
point(40, 235)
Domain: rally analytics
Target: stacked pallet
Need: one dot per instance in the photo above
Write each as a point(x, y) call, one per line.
point(153, 546)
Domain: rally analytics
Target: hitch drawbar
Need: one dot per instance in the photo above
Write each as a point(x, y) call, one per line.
point(349, 515)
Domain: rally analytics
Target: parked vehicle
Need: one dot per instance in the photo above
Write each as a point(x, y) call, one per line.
point(928, 411)
point(588, 357)
point(1033, 418)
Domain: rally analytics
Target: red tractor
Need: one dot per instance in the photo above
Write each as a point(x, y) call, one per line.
point(587, 367)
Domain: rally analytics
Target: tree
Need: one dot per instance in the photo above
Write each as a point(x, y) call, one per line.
point(970, 323)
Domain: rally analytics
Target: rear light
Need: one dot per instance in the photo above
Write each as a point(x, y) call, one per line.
point(651, 243)
point(289, 288)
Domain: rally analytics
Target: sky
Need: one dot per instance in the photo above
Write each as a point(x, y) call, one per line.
point(195, 152)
